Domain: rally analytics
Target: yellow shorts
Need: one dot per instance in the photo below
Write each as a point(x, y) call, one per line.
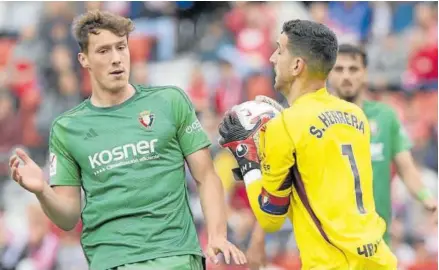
point(335, 259)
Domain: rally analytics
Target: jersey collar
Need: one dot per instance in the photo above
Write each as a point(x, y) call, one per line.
point(318, 93)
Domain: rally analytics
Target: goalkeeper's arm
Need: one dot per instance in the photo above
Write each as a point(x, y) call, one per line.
point(269, 189)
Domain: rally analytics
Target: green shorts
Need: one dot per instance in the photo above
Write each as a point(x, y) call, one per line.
point(181, 262)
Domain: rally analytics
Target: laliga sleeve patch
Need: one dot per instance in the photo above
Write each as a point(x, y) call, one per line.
point(273, 205)
point(52, 166)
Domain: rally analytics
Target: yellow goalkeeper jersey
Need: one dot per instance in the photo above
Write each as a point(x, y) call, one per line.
point(317, 171)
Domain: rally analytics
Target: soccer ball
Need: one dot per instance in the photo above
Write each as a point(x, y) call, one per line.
point(250, 112)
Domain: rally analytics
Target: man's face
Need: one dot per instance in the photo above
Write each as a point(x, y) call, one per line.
point(282, 60)
point(108, 60)
point(348, 77)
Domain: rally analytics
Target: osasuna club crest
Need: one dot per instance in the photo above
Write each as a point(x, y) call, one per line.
point(146, 118)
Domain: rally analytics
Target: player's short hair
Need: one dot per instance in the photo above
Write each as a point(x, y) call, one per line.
point(92, 21)
point(315, 42)
point(354, 51)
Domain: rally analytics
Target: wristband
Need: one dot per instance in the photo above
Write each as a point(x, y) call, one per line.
point(424, 194)
point(252, 176)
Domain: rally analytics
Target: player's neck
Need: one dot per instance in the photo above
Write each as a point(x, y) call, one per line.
point(103, 98)
point(359, 100)
point(300, 88)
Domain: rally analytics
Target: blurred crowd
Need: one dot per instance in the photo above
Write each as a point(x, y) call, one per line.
point(218, 53)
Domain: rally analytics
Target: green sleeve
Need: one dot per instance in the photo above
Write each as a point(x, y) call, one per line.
point(190, 133)
point(400, 140)
point(64, 171)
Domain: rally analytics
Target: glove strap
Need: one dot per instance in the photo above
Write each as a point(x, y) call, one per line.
point(252, 176)
point(248, 170)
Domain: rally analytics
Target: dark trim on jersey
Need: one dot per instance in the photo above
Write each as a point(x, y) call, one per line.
point(287, 183)
point(301, 192)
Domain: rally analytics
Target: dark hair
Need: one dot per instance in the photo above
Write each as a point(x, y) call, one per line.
point(93, 21)
point(315, 42)
point(354, 51)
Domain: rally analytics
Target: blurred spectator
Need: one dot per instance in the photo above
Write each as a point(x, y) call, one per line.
point(214, 39)
point(387, 62)
point(431, 159)
point(228, 92)
point(403, 252)
point(11, 128)
point(258, 84)
point(422, 72)
point(15, 16)
point(35, 251)
point(253, 33)
point(154, 19)
point(381, 20)
point(56, 102)
point(319, 12)
point(351, 21)
point(402, 15)
point(198, 91)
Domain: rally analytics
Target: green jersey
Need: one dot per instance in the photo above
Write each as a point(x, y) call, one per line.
point(388, 138)
point(129, 160)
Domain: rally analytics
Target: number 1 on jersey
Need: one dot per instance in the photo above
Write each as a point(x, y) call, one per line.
point(347, 151)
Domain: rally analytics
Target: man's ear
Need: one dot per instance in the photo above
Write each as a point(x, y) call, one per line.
point(83, 60)
point(297, 66)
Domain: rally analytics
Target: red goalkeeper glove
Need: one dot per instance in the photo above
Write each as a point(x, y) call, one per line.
point(241, 143)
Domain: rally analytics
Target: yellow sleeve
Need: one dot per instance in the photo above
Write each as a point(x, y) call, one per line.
point(270, 195)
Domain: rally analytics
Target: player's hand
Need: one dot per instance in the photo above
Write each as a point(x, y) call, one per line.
point(256, 255)
point(241, 143)
point(28, 175)
point(431, 206)
point(221, 245)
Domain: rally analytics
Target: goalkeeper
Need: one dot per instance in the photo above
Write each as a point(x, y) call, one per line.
point(314, 163)
point(126, 146)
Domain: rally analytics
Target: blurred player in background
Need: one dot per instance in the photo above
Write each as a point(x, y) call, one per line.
point(389, 141)
point(126, 146)
point(313, 163)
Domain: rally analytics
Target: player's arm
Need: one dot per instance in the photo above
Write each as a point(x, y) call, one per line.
point(62, 205)
point(194, 145)
point(270, 192)
point(267, 179)
point(211, 192)
point(406, 167)
point(62, 202)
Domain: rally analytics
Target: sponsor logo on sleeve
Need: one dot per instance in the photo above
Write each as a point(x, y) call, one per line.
point(52, 165)
point(194, 127)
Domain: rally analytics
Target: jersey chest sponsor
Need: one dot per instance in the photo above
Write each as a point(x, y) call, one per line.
point(129, 153)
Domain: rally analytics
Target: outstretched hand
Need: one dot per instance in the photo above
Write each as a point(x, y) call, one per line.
point(28, 174)
point(221, 245)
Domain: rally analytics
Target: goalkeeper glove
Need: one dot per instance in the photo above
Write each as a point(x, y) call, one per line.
point(241, 142)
